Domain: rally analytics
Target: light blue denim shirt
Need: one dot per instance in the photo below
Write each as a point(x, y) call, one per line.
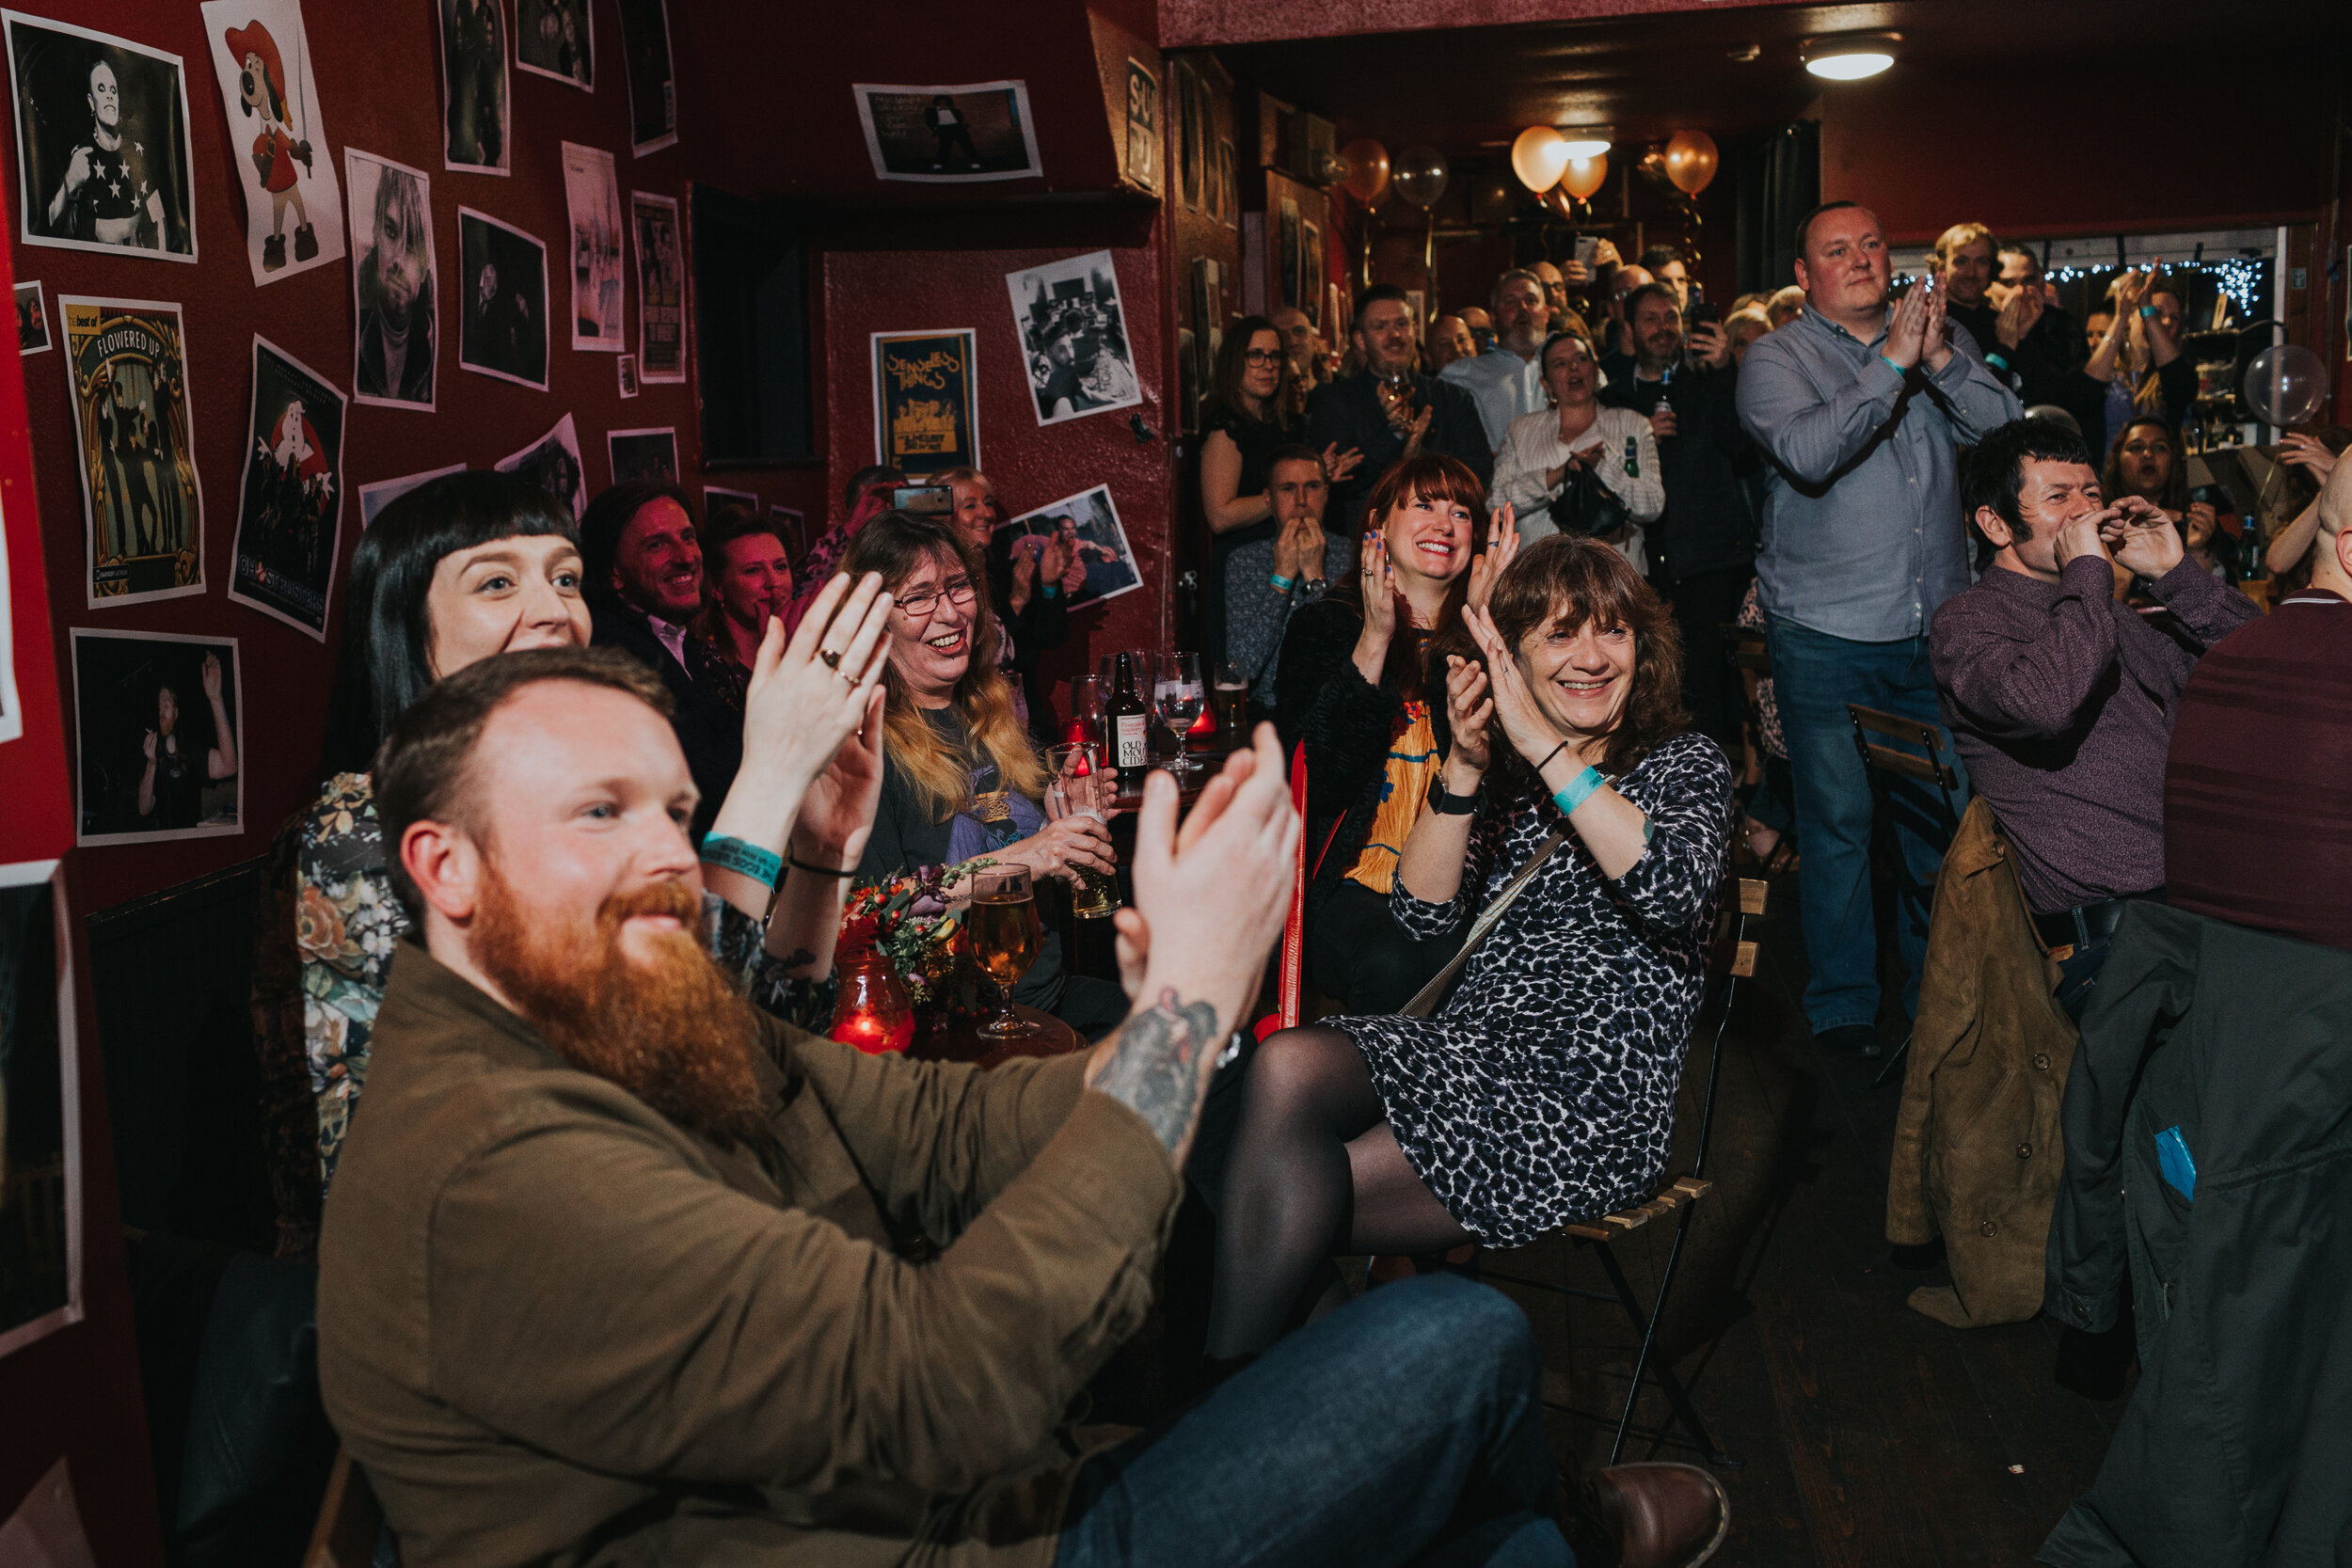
point(1503, 385)
point(1863, 535)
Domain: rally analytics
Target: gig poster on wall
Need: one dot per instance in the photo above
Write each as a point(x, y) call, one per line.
point(41, 1133)
point(649, 454)
point(1074, 338)
point(290, 508)
point(474, 108)
point(557, 38)
point(375, 497)
point(32, 320)
point(660, 289)
point(715, 498)
point(502, 276)
point(293, 211)
point(949, 136)
point(926, 400)
point(553, 461)
point(158, 734)
point(1089, 523)
point(1144, 126)
point(652, 76)
point(625, 367)
point(101, 141)
point(592, 196)
point(126, 367)
point(395, 284)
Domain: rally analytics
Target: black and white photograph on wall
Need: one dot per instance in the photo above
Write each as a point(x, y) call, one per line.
point(558, 38)
point(502, 289)
point(1144, 126)
point(553, 462)
point(715, 496)
point(650, 453)
point(156, 722)
point(652, 75)
point(32, 319)
point(290, 508)
point(660, 289)
point(626, 367)
point(474, 109)
point(40, 1111)
point(1188, 135)
point(101, 141)
point(375, 497)
point(1089, 523)
point(792, 527)
point(1074, 338)
point(1225, 175)
point(592, 200)
point(394, 284)
point(126, 368)
point(978, 131)
point(293, 211)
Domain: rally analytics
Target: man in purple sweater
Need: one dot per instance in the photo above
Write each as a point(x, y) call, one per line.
point(2061, 699)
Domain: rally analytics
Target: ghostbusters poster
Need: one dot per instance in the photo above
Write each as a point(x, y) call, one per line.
point(126, 367)
point(291, 505)
point(101, 141)
point(294, 210)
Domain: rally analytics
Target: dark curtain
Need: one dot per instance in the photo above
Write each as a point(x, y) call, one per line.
point(1780, 180)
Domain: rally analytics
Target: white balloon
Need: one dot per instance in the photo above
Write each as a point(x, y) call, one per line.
point(2287, 385)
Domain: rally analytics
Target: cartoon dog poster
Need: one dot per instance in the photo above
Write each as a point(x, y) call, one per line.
point(293, 207)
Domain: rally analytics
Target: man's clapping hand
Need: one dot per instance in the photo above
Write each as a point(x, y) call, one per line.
point(2140, 538)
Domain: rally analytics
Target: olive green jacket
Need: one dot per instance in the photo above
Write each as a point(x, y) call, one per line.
point(557, 1328)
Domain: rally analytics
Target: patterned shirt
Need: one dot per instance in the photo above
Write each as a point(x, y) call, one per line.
point(1412, 763)
point(328, 924)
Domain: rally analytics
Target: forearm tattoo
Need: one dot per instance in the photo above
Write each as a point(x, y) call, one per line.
point(1155, 1065)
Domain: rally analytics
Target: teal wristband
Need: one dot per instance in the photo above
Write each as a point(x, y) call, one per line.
point(1579, 789)
point(1052, 590)
point(2147, 312)
point(1279, 584)
point(1898, 369)
point(764, 866)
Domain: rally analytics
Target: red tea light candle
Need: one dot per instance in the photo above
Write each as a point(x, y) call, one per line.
point(874, 1034)
point(873, 1014)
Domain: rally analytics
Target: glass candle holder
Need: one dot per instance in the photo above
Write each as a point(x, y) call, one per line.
point(874, 1013)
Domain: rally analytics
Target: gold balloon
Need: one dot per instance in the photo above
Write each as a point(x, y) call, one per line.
point(1538, 156)
point(1367, 171)
point(1584, 175)
point(1690, 161)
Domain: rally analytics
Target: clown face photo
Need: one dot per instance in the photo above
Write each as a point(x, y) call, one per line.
point(294, 208)
point(101, 141)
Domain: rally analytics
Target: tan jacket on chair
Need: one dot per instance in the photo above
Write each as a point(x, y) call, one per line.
point(1977, 1154)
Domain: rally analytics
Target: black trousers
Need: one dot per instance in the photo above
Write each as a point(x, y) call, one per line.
point(1357, 956)
point(1704, 604)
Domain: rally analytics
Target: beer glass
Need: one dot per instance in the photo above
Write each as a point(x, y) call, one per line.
point(1002, 933)
point(1080, 786)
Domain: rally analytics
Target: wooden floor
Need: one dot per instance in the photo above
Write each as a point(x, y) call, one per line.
point(1868, 1435)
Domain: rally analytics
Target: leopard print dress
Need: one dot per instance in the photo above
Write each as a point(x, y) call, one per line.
point(1543, 1091)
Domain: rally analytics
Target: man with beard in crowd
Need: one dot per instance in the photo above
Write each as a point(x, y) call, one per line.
point(1507, 381)
point(1389, 410)
point(396, 286)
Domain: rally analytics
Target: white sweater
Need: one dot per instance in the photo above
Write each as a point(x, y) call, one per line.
point(1532, 447)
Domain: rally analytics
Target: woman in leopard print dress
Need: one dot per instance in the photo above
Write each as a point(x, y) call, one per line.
point(1543, 1089)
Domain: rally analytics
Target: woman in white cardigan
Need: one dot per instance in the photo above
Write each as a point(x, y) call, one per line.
point(1541, 450)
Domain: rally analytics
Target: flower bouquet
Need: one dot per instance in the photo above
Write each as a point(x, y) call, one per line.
point(908, 923)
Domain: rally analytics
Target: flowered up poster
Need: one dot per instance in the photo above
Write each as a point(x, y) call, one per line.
point(126, 366)
point(926, 408)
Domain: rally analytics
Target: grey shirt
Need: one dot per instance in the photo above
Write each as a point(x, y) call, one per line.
point(1257, 613)
point(1862, 537)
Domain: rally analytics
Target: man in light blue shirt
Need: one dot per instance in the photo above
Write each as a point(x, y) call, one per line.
point(1860, 409)
point(1507, 380)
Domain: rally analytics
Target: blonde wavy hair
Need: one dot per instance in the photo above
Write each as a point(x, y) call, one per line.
point(899, 545)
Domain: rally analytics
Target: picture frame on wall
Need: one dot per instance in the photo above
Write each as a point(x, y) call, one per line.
point(553, 462)
point(591, 200)
point(624, 368)
point(32, 320)
point(1187, 135)
point(557, 38)
point(290, 505)
point(502, 276)
point(660, 289)
point(395, 284)
point(1089, 522)
point(136, 197)
point(927, 405)
point(41, 1137)
point(476, 127)
point(949, 134)
point(648, 453)
point(1072, 331)
point(1226, 175)
point(1310, 273)
point(142, 504)
point(293, 206)
point(159, 736)
point(1144, 126)
point(652, 73)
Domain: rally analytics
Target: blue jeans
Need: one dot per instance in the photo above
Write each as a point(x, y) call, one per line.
point(1815, 676)
point(1405, 1428)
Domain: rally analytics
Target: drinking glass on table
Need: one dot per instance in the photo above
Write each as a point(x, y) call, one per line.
point(1002, 934)
point(1081, 786)
point(1178, 695)
point(1086, 707)
point(1233, 704)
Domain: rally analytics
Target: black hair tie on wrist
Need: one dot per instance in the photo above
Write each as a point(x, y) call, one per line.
point(1549, 755)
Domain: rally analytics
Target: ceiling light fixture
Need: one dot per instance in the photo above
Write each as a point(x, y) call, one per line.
point(1585, 144)
point(1852, 57)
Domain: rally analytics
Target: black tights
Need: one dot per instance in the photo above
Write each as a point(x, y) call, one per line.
point(1313, 1168)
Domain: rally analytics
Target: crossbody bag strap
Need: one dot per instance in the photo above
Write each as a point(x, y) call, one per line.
point(1425, 1001)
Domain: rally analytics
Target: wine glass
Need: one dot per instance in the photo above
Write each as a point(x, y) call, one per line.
point(1002, 934)
point(1178, 694)
point(1086, 707)
point(1080, 786)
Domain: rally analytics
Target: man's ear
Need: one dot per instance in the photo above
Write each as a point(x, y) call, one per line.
point(446, 865)
point(1994, 528)
point(2341, 540)
point(1804, 278)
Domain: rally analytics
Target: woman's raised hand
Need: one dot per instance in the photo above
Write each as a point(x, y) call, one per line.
point(1531, 731)
point(808, 695)
point(1468, 708)
point(1502, 543)
point(1378, 578)
point(1338, 465)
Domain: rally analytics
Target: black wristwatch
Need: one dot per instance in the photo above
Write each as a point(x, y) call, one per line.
point(1451, 805)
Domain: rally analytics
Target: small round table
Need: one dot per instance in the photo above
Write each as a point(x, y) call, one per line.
point(963, 1041)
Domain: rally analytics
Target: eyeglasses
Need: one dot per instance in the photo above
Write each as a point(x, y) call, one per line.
point(1262, 356)
point(923, 601)
point(2143, 449)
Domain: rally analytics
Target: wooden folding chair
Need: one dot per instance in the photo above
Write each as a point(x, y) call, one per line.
point(1731, 960)
point(1928, 737)
point(350, 1532)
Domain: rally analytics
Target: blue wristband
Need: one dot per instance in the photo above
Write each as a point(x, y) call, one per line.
point(764, 866)
point(1050, 590)
point(2147, 312)
point(1579, 790)
point(1279, 584)
point(1898, 369)
point(1994, 359)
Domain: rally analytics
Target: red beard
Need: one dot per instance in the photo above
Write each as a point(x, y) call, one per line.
point(673, 1032)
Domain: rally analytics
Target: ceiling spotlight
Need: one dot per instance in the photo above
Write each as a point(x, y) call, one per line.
point(1584, 144)
point(1849, 58)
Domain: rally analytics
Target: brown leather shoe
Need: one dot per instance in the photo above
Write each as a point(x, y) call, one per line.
point(1648, 1516)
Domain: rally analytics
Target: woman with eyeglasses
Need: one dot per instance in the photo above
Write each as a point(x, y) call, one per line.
point(1246, 419)
point(961, 778)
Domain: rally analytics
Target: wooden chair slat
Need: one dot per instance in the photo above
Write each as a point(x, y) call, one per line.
point(1743, 962)
point(1589, 1233)
point(1917, 731)
point(1754, 890)
point(1911, 766)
